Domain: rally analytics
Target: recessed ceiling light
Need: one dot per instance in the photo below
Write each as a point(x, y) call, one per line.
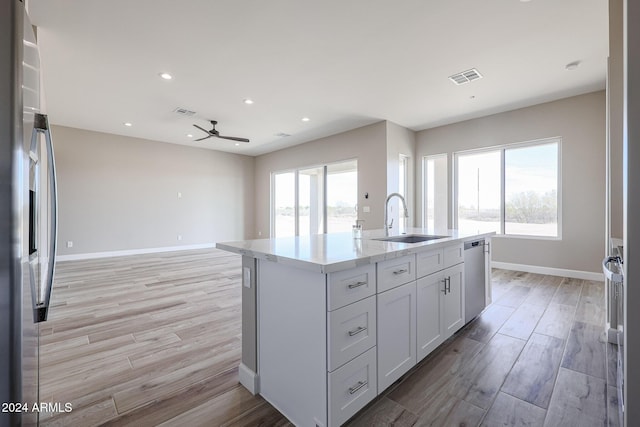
point(305, 119)
point(525, 1)
point(237, 144)
point(572, 65)
point(248, 101)
point(189, 135)
point(127, 124)
point(472, 97)
point(166, 76)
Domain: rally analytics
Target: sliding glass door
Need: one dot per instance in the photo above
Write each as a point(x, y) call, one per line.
point(314, 200)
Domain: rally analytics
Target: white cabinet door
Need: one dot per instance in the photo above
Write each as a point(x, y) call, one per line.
point(429, 313)
point(396, 333)
point(454, 300)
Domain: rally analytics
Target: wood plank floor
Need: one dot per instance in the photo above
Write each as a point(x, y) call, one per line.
point(155, 340)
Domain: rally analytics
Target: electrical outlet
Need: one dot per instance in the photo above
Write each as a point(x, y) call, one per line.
point(179, 237)
point(179, 195)
point(259, 233)
point(366, 209)
point(69, 243)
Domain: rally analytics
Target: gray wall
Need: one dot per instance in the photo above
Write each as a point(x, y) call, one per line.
point(615, 100)
point(119, 193)
point(400, 140)
point(367, 144)
point(580, 121)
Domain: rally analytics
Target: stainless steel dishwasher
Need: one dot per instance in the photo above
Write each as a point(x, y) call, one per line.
point(474, 279)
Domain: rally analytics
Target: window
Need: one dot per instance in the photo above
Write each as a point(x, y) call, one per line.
point(512, 190)
point(342, 196)
point(434, 183)
point(284, 204)
point(314, 200)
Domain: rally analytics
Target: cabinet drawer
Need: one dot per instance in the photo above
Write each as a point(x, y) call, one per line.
point(351, 387)
point(429, 262)
point(348, 286)
point(352, 330)
point(396, 272)
point(453, 255)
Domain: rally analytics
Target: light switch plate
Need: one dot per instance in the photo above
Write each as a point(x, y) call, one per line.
point(366, 209)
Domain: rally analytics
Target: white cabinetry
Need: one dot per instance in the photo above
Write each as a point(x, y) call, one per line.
point(440, 308)
point(329, 343)
point(396, 333)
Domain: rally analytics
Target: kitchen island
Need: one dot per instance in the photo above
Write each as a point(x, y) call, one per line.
point(329, 321)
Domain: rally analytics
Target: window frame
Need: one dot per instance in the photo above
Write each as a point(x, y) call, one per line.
point(502, 148)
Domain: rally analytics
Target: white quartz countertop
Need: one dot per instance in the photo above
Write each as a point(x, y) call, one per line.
point(326, 253)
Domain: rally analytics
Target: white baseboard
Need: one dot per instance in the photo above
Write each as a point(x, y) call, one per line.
point(109, 254)
point(248, 378)
point(576, 274)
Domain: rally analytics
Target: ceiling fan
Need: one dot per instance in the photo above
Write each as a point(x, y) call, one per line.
point(214, 133)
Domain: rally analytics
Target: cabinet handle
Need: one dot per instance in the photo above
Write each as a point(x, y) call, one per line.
point(357, 330)
point(356, 285)
point(448, 284)
point(404, 270)
point(357, 387)
point(445, 285)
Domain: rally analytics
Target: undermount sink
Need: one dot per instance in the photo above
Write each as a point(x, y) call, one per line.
point(410, 238)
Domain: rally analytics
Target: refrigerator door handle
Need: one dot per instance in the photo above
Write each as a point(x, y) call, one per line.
point(44, 295)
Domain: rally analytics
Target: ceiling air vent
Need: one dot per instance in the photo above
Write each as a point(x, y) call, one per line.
point(184, 112)
point(465, 76)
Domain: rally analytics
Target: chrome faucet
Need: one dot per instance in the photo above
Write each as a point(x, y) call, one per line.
point(386, 208)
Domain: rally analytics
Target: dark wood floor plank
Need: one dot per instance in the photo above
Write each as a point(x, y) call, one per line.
point(586, 350)
point(591, 305)
point(514, 296)
point(481, 378)
point(568, 292)
point(434, 377)
point(578, 400)
point(385, 412)
point(523, 321)
point(556, 321)
point(534, 374)
point(488, 323)
point(510, 411)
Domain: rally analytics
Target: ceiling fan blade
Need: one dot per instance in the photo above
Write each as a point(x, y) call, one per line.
point(233, 138)
point(203, 129)
point(206, 137)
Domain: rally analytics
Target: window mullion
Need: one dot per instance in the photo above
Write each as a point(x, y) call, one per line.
point(324, 200)
point(502, 192)
point(296, 202)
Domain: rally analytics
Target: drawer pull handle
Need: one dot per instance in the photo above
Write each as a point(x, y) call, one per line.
point(445, 285)
point(357, 330)
point(356, 285)
point(404, 270)
point(357, 387)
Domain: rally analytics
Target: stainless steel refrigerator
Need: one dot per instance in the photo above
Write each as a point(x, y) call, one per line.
point(28, 216)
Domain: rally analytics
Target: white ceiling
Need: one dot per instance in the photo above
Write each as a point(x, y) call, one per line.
point(342, 63)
